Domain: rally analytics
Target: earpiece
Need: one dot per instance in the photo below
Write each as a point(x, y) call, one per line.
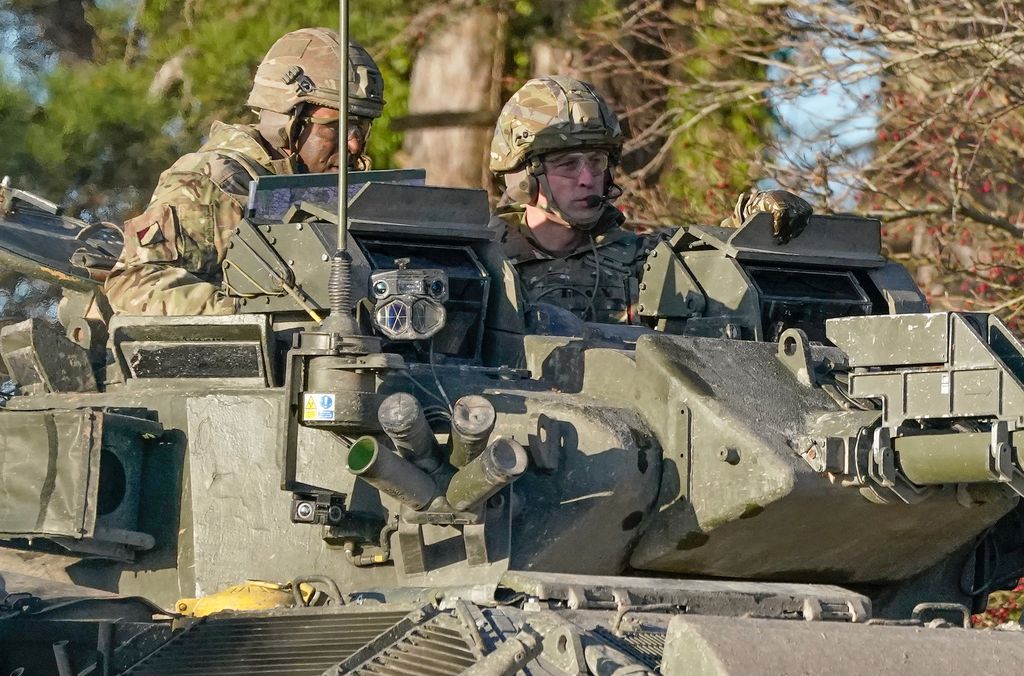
point(613, 193)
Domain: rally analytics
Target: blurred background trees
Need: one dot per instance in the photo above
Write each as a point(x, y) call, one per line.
point(907, 110)
point(99, 96)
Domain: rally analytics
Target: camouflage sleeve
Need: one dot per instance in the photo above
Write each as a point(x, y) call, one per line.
point(170, 264)
point(162, 290)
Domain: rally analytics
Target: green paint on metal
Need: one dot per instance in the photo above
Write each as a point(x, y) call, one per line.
point(751, 510)
point(361, 455)
point(693, 541)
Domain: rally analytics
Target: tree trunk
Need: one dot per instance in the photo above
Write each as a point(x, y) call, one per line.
point(457, 71)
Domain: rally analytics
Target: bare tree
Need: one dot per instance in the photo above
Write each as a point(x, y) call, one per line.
point(692, 102)
point(905, 110)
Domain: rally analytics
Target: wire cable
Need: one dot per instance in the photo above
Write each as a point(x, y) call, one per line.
point(424, 389)
point(440, 388)
point(591, 310)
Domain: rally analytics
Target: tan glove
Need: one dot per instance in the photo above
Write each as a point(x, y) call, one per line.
point(789, 212)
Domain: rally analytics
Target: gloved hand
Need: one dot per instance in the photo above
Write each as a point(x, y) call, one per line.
point(789, 212)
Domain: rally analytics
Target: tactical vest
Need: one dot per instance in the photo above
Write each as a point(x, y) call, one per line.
point(598, 282)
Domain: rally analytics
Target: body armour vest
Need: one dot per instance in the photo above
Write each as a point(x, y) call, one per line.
point(598, 282)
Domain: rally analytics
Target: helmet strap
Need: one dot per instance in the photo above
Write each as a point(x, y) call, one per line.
point(271, 132)
point(530, 187)
point(290, 163)
point(293, 129)
point(361, 163)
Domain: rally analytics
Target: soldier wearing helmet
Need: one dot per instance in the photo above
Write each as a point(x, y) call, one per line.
point(556, 144)
point(171, 261)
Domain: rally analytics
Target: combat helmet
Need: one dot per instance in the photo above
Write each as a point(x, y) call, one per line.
point(553, 114)
point(302, 68)
point(550, 114)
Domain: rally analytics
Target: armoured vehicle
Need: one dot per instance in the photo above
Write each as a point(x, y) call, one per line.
point(789, 466)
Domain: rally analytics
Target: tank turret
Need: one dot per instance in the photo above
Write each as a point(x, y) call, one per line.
point(791, 447)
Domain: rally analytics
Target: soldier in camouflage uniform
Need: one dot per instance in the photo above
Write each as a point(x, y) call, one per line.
point(171, 262)
point(556, 144)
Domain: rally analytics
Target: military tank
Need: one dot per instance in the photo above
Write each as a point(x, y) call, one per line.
point(789, 466)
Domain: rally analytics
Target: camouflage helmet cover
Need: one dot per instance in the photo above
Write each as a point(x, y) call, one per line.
point(302, 67)
point(550, 114)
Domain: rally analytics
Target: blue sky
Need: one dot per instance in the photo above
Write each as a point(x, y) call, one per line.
point(834, 115)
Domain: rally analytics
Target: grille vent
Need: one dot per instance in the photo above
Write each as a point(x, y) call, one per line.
point(439, 647)
point(299, 644)
point(646, 647)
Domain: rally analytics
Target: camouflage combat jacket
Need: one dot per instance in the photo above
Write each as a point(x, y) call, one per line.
point(171, 261)
point(603, 289)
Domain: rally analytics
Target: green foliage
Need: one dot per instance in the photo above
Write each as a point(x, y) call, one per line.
point(226, 40)
point(94, 133)
point(553, 22)
point(16, 108)
point(97, 131)
point(376, 24)
point(588, 12)
point(712, 160)
point(1002, 607)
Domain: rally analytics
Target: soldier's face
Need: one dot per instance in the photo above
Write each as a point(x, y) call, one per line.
point(318, 141)
point(577, 181)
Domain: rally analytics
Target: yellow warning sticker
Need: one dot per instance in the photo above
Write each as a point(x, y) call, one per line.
point(317, 407)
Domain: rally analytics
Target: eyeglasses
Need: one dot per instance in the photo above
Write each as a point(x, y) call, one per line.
point(358, 127)
point(569, 165)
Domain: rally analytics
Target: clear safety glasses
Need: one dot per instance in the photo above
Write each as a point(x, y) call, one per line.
point(570, 165)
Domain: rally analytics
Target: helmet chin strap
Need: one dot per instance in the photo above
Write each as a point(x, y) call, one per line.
point(291, 134)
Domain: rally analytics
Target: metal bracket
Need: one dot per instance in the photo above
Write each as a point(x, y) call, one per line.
point(963, 610)
point(318, 507)
point(411, 548)
point(882, 470)
point(475, 538)
point(819, 610)
point(439, 513)
point(16, 602)
point(867, 461)
point(512, 655)
point(1001, 456)
point(546, 446)
point(846, 456)
point(795, 354)
point(1004, 459)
